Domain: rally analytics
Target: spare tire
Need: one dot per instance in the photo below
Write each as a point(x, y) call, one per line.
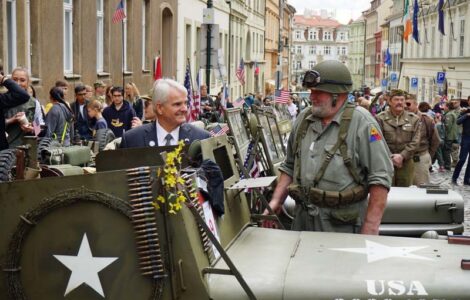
point(103, 137)
point(7, 163)
point(44, 144)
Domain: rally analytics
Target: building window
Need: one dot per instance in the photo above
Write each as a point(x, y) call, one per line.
point(145, 32)
point(312, 50)
point(312, 35)
point(459, 90)
point(343, 50)
point(342, 36)
point(68, 36)
point(441, 45)
point(11, 35)
point(99, 36)
point(298, 35)
point(327, 50)
point(299, 49)
point(338, 50)
point(311, 64)
point(433, 43)
point(451, 45)
point(298, 65)
point(462, 37)
point(327, 36)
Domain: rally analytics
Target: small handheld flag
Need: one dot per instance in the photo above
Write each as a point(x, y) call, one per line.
point(219, 130)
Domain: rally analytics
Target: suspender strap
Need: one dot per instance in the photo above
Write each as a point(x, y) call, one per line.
point(340, 144)
point(63, 132)
point(299, 136)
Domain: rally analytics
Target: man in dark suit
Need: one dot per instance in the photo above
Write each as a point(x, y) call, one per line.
point(170, 105)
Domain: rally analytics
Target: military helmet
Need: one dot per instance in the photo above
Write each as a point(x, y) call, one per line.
point(330, 76)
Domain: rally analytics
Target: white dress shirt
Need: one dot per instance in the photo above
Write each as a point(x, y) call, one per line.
point(161, 134)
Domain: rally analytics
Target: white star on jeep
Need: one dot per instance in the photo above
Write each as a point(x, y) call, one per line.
point(376, 251)
point(85, 268)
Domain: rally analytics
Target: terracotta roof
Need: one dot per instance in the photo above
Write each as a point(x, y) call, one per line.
point(315, 21)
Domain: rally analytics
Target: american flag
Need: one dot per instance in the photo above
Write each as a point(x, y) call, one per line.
point(219, 130)
point(253, 170)
point(187, 85)
point(239, 102)
point(195, 107)
point(281, 96)
point(119, 14)
point(241, 72)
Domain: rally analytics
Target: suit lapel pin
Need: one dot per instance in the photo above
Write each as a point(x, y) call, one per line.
point(152, 143)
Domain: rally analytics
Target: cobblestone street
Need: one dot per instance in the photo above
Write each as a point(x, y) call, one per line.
point(444, 179)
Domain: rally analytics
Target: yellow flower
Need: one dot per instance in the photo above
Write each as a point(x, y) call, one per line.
point(180, 198)
point(161, 199)
point(180, 180)
point(177, 206)
point(156, 205)
point(170, 181)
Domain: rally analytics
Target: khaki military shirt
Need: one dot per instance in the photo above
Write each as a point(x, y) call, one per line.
point(429, 137)
point(401, 133)
point(366, 148)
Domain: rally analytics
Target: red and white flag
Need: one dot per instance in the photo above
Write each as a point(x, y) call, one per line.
point(219, 130)
point(241, 72)
point(281, 96)
point(119, 13)
point(239, 102)
point(157, 74)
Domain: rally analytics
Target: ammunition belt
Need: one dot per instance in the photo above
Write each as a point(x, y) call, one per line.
point(145, 224)
point(192, 189)
point(329, 199)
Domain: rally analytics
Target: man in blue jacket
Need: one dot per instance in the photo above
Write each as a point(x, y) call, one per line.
point(464, 120)
point(170, 106)
point(119, 115)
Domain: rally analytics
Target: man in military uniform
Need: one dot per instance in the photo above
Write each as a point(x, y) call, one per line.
point(100, 91)
point(401, 131)
point(336, 155)
point(451, 135)
point(429, 141)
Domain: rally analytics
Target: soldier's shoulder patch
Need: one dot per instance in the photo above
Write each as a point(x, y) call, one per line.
point(374, 134)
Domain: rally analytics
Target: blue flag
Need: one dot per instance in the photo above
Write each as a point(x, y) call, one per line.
point(440, 11)
point(415, 21)
point(387, 58)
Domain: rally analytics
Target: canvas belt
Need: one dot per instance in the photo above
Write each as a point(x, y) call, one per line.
point(322, 198)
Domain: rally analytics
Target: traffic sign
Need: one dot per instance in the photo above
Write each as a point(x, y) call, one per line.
point(441, 76)
point(384, 82)
point(414, 82)
point(393, 76)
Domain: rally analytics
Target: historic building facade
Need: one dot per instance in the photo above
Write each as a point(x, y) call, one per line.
point(356, 51)
point(316, 38)
point(76, 41)
point(436, 52)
